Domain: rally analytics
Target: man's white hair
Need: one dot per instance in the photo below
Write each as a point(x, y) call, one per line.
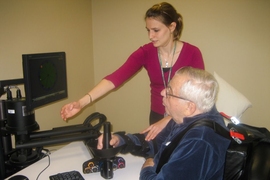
point(200, 87)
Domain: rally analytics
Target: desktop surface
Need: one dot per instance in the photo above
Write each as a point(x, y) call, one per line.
point(71, 157)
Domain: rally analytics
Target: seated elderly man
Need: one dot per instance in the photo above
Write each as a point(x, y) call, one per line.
point(189, 97)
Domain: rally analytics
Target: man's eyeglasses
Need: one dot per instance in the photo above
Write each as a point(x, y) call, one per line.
point(179, 97)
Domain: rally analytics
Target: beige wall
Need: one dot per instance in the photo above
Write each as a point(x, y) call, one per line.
point(232, 35)
point(47, 26)
point(99, 35)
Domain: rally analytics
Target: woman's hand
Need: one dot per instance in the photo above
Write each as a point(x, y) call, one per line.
point(70, 110)
point(99, 90)
point(154, 129)
point(113, 142)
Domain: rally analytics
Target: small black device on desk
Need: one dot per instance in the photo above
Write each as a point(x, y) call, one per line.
point(18, 177)
point(76, 175)
point(105, 160)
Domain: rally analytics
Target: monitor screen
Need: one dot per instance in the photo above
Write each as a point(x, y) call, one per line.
point(45, 79)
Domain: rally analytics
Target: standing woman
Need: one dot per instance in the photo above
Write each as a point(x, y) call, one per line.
point(161, 58)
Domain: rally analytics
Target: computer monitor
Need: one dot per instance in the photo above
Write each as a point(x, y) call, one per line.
point(45, 79)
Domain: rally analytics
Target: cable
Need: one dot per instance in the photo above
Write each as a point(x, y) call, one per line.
point(49, 160)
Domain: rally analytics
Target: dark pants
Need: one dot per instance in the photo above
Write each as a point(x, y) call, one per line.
point(155, 117)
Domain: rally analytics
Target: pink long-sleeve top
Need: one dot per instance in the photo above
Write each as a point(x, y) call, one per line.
point(147, 56)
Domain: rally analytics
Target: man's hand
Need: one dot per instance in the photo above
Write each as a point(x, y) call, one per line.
point(154, 129)
point(113, 142)
point(148, 162)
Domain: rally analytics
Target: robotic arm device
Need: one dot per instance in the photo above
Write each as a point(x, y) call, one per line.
point(17, 120)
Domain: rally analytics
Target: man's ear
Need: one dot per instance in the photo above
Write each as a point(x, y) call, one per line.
point(190, 108)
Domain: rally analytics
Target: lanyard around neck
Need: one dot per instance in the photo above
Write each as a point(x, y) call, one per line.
point(162, 73)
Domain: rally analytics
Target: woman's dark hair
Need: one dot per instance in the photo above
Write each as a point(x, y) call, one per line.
point(167, 14)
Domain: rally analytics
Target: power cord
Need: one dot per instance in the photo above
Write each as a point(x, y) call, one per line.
point(46, 154)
